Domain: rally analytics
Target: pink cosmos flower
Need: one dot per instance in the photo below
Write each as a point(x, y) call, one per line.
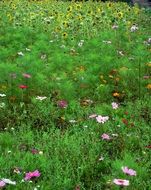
point(102, 119)
point(121, 182)
point(115, 105)
point(128, 171)
point(105, 137)
point(26, 75)
point(31, 175)
point(2, 184)
point(62, 103)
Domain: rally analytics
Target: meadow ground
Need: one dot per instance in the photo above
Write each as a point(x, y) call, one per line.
point(75, 86)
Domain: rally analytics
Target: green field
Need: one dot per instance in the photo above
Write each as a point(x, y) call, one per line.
point(75, 86)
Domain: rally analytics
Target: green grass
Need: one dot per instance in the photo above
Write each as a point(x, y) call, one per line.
point(107, 66)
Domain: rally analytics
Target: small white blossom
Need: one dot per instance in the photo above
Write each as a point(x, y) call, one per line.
point(134, 28)
point(41, 98)
point(107, 42)
point(2, 105)
point(43, 56)
point(80, 44)
point(27, 49)
point(41, 152)
point(2, 95)
point(115, 27)
point(72, 121)
point(20, 53)
point(62, 46)
point(115, 135)
point(8, 181)
point(101, 158)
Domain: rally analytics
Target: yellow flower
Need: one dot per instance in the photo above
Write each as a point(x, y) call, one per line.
point(69, 9)
point(104, 81)
point(148, 64)
point(65, 24)
point(109, 5)
point(79, 17)
point(117, 79)
point(148, 86)
point(64, 35)
point(110, 76)
point(78, 6)
point(120, 15)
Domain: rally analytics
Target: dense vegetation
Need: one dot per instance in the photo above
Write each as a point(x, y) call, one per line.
point(74, 95)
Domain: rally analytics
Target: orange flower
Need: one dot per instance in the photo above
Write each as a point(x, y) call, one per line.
point(148, 86)
point(116, 94)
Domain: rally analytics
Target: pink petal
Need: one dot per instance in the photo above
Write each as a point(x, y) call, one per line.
point(121, 182)
point(2, 183)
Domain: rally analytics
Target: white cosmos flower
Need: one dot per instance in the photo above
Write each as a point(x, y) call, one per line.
point(41, 98)
point(27, 49)
point(8, 181)
point(20, 53)
point(134, 28)
point(107, 42)
point(2, 95)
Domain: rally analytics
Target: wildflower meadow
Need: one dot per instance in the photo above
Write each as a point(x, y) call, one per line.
point(75, 95)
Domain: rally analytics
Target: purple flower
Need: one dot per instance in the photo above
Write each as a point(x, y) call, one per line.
point(31, 175)
point(62, 104)
point(128, 171)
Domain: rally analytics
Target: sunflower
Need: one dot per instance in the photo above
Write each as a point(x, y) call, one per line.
point(109, 5)
point(120, 15)
point(65, 24)
point(64, 35)
point(78, 6)
point(69, 9)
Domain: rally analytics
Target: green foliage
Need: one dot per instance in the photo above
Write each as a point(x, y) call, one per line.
point(60, 63)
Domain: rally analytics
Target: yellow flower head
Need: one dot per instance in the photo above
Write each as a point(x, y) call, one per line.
point(64, 35)
point(120, 15)
point(109, 5)
point(69, 9)
point(148, 86)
